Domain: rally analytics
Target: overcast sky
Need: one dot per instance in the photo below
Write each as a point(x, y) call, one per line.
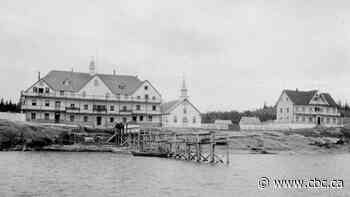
point(235, 54)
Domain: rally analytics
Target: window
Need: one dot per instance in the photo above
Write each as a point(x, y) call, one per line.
point(334, 120)
point(47, 90)
point(146, 96)
point(303, 109)
point(125, 108)
point(150, 118)
point(41, 90)
point(33, 102)
point(303, 118)
point(175, 119)
point(86, 107)
point(61, 92)
point(185, 111)
point(71, 118)
point(35, 89)
point(153, 98)
point(33, 116)
point(146, 87)
point(47, 103)
point(141, 118)
point(322, 119)
point(139, 97)
point(47, 116)
point(86, 118)
point(297, 118)
point(328, 120)
point(111, 119)
point(72, 105)
point(96, 82)
point(281, 110)
point(58, 104)
point(138, 107)
point(287, 110)
point(111, 108)
point(125, 119)
point(154, 108)
point(310, 109)
point(194, 119)
point(134, 118)
point(287, 99)
point(84, 94)
point(310, 119)
point(184, 120)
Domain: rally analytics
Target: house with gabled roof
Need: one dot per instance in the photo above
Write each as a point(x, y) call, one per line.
point(91, 99)
point(307, 107)
point(181, 113)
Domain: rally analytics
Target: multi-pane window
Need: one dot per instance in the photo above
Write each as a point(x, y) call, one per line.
point(154, 108)
point(71, 118)
point(287, 110)
point(33, 116)
point(47, 116)
point(111, 119)
point(86, 107)
point(35, 89)
point(47, 90)
point(86, 118)
point(61, 92)
point(150, 118)
point(141, 118)
point(281, 110)
point(111, 108)
point(58, 104)
point(138, 107)
point(47, 103)
point(33, 102)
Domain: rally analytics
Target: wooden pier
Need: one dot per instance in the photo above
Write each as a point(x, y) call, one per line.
point(187, 146)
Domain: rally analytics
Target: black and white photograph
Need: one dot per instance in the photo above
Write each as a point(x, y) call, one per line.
point(185, 98)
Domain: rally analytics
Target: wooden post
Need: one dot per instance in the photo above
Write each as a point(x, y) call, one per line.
point(198, 149)
point(227, 151)
point(212, 147)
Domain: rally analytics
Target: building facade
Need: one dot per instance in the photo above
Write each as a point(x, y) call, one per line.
point(91, 99)
point(181, 113)
point(307, 107)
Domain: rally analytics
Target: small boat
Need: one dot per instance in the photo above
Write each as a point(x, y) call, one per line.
point(149, 154)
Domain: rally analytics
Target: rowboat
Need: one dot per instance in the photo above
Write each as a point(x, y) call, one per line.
point(149, 154)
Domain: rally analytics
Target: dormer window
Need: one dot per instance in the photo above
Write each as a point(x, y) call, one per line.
point(121, 86)
point(66, 82)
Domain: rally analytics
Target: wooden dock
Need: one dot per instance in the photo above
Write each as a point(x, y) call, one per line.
point(187, 146)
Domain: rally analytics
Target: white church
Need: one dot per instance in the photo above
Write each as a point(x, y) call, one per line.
point(181, 113)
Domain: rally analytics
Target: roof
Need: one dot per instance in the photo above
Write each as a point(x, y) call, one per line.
point(165, 107)
point(223, 121)
point(168, 106)
point(304, 97)
point(249, 120)
point(118, 84)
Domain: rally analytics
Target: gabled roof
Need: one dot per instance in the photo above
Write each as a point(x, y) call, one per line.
point(167, 107)
point(304, 97)
point(74, 81)
point(121, 84)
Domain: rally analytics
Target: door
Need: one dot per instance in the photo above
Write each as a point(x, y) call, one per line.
point(57, 117)
point(318, 120)
point(98, 120)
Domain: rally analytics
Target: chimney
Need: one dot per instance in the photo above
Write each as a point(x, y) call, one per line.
point(114, 72)
point(39, 76)
point(92, 67)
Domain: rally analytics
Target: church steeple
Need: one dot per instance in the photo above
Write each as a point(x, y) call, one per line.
point(184, 91)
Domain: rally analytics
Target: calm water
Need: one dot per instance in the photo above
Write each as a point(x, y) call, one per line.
point(105, 174)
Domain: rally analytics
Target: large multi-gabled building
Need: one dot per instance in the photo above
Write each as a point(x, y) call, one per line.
point(307, 107)
point(91, 99)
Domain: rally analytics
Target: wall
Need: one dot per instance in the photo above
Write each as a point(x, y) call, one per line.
point(285, 103)
point(178, 112)
point(12, 116)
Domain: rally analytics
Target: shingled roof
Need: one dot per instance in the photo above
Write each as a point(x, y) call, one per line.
point(304, 97)
point(74, 81)
point(165, 107)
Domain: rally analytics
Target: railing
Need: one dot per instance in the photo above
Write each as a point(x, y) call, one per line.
point(90, 97)
point(330, 113)
point(73, 108)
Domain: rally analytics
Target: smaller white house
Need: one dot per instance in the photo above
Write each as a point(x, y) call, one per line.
point(181, 113)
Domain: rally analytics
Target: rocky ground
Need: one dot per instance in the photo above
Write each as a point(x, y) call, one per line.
point(13, 135)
